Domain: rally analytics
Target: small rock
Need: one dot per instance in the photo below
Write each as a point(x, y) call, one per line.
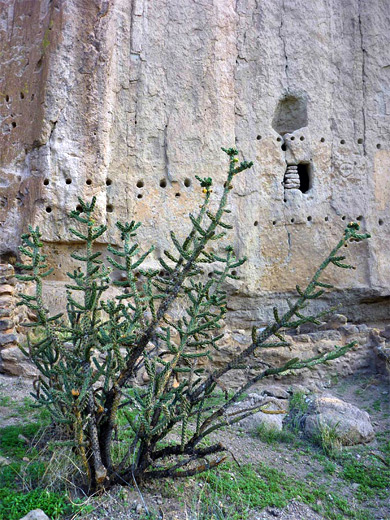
point(23, 438)
point(6, 324)
point(273, 511)
point(36, 514)
point(7, 289)
point(276, 391)
point(139, 509)
point(4, 461)
point(8, 338)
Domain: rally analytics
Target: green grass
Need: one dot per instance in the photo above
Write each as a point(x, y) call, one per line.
point(372, 476)
point(299, 406)
point(256, 487)
point(21, 481)
point(11, 445)
point(5, 400)
point(273, 436)
point(14, 504)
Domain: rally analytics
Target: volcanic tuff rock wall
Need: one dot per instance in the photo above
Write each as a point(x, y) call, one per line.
point(128, 99)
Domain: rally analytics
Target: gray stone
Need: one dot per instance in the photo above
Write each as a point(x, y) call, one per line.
point(36, 514)
point(5, 339)
point(269, 420)
point(14, 362)
point(350, 424)
point(6, 324)
point(276, 391)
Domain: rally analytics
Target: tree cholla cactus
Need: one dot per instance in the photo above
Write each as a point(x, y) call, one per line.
point(88, 359)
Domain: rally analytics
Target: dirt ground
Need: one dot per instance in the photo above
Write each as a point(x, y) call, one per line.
point(370, 393)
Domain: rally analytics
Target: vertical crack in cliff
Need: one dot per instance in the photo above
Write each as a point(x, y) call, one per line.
point(166, 153)
point(283, 40)
point(364, 86)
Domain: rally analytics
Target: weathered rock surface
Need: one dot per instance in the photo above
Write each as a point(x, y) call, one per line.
point(275, 411)
point(130, 99)
point(36, 514)
point(15, 362)
point(350, 424)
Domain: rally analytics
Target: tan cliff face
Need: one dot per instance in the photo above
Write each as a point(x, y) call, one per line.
point(128, 100)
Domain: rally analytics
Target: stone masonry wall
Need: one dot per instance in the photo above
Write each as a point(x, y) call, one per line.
point(128, 99)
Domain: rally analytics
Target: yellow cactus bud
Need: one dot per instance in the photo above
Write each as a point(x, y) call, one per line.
point(75, 392)
point(100, 409)
point(235, 159)
point(204, 190)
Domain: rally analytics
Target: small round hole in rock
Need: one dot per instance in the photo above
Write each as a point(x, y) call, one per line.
point(283, 147)
point(13, 124)
point(322, 139)
point(68, 181)
point(177, 194)
point(139, 196)
point(309, 219)
point(108, 182)
point(140, 184)
point(163, 183)
point(274, 222)
point(21, 95)
point(210, 275)
point(46, 182)
point(360, 141)
point(359, 218)
point(7, 98)
point(79, 208)
point(278, 139)
point(255, 223)
point(292, 220)
point(326, 219)
point(380, 222)
point(48, 209)
point(378, 146)
point(343, 217)
point(187, 183)
point(292, 138)
point(109, 208)
point(258, 137)
point(88, 182)
point(342, 141)
point(302, 138)
point(234, 272)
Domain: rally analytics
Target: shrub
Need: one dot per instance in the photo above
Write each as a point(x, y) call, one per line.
point(88, 358)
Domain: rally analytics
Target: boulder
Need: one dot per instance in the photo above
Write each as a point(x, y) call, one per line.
point(351, 425)
point(14, 362)
point(270, 420)
point(36, 514)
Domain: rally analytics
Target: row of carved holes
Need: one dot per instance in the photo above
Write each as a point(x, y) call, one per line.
point(310, 218)
point(140, 184)
point(302, 138)
point(110, 209)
